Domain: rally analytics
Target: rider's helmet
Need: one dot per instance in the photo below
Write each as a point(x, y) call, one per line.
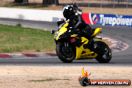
point(69, 11)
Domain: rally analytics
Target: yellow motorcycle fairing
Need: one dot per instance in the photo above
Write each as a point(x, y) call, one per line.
point(97, 31)
point(81, 52)
point(61, 31)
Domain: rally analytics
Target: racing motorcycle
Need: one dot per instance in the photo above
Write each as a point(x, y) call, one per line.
point(71, 46)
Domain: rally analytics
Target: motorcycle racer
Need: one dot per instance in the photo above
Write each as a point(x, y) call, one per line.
point(77, 24)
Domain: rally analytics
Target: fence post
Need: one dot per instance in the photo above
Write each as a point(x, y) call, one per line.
point(127, 4)
point(56, 2)
point(113, 3)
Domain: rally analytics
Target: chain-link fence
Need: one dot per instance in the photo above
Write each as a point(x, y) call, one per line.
point(99, 3)
point(86, 3)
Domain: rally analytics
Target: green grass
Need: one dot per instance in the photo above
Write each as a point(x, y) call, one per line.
point(18, 39)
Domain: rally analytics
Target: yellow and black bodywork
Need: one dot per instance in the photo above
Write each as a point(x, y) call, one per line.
point(80, 51)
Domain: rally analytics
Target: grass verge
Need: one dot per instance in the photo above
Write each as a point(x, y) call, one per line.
point(18, 39)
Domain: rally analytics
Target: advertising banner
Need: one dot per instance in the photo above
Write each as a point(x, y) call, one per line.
point(108, 19)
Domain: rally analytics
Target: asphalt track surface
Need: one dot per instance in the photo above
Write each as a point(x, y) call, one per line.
point(119, 58)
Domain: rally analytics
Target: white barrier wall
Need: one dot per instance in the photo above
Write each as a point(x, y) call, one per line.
point(30, 14)
point(53, 16)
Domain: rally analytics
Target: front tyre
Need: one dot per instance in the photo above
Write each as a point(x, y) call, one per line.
point(104, 52)
point(65, 52)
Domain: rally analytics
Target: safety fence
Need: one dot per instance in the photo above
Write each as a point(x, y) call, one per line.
point(86, 3)
point(99, 3)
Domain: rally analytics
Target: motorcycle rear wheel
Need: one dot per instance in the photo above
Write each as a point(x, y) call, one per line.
point(65, 54)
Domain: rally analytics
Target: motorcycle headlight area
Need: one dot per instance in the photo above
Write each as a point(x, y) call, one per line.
point(56, 34)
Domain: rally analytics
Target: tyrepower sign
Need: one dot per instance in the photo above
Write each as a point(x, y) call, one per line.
point(107, 19)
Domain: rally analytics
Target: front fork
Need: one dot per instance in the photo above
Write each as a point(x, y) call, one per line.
point(66, 44)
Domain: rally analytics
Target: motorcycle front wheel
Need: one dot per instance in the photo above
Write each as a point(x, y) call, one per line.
point(103, 51)
point(65, 52)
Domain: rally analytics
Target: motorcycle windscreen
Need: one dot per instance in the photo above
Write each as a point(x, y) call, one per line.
point(62, 30)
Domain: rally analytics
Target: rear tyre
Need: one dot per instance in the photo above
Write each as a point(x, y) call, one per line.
point(103, 51)
point(65, 52)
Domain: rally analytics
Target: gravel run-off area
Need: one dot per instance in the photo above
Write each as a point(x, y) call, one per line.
point(58, 76)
